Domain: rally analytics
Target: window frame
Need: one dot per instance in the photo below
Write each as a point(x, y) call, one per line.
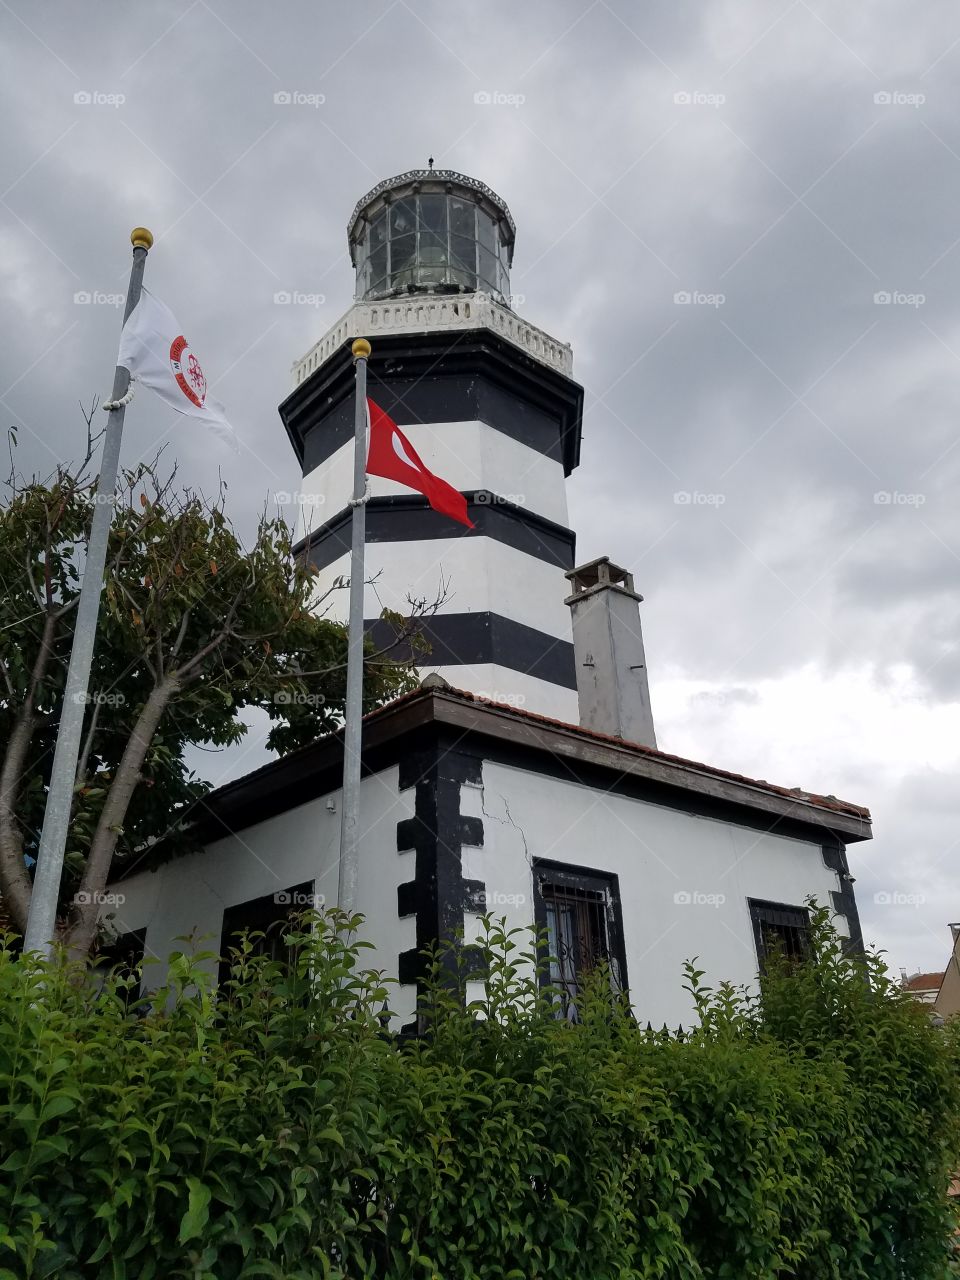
point(762, 911)
point(264, 919)
point(588, 880)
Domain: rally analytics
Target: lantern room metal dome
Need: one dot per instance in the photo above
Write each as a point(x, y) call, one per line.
point(431, 231)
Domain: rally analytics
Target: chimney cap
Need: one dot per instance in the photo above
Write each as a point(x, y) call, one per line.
point(599, 575)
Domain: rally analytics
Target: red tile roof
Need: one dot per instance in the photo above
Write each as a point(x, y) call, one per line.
point(924, 982)
point(809, 797)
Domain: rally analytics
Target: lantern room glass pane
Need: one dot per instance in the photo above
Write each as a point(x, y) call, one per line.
point(403, 250)
point(463, 262)
point(403, 218)
point(487, 231)
point(378, 229)
point(463, 217)
point(503, 283)
point(433, 214)
point(378, 267)
point(489, 281)
point(463, 253)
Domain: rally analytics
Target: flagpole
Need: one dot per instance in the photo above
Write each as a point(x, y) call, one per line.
point(353, 715)
point(42, 918)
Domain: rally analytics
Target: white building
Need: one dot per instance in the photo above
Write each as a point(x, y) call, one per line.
point(523, 779)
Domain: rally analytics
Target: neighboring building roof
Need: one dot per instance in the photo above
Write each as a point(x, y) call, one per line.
point(668, 779)
point(923, 982)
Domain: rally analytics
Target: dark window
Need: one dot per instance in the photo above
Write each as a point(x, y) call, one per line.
point(580, 912)
point(267, 916)
point(123, 954)
point(780, 929)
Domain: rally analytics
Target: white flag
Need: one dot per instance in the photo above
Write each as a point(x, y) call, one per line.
point(157, 354)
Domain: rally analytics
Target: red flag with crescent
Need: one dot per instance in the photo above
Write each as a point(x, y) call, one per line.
point(392, 456)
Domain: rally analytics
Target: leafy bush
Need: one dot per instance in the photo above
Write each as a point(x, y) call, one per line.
point(279, 1131)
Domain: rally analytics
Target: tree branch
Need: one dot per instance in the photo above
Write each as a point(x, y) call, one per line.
point(15, 883)
point(84, 914)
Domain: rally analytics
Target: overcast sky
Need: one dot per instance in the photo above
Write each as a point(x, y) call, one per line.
point(785, 166)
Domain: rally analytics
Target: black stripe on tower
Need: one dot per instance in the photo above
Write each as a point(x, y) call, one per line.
point(409, 518)
point(440, 378)
point(475, 639)
point(438, 894)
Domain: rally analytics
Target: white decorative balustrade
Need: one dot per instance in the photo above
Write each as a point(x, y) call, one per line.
point(420, 314)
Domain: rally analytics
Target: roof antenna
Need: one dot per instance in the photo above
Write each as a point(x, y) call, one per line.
point(430, 162)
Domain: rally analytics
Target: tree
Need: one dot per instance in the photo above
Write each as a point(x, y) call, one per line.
point(194, 627)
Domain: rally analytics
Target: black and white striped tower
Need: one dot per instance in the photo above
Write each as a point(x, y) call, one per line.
point(488, 402)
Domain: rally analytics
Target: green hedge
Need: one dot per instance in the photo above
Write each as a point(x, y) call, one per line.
point(280, 1132)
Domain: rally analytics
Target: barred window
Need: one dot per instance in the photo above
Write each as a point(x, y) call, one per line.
point(579, 911)
point(779, 929)
point(267, 916)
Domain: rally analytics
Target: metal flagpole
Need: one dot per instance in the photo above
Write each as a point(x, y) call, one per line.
point(350, 801)
point(42, 919)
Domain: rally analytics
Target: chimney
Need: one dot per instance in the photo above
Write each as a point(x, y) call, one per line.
point(608, 649)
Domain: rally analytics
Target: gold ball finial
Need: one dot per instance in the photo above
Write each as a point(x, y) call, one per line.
point(361, 349)
point(141, 238)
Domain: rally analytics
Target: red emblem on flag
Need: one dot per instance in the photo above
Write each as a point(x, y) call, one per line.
point(187, 371)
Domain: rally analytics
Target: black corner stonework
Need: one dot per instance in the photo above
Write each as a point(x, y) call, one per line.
point(844, 900)
point(438, 895)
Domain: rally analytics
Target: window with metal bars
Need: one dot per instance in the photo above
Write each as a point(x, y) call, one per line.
point(780, 929)
point(267, 917)
point(123, 954)
point(578, 912)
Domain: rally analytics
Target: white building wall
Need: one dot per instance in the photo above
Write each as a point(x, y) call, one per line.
point(186, 897)
point(684, 880)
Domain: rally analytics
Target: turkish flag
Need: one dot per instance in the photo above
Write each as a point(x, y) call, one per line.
point(392, 456)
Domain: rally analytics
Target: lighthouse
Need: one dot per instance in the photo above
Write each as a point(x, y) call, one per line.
point(489, 402)
point(471, 802)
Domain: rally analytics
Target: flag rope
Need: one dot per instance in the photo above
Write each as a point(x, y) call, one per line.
point(109, 405)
